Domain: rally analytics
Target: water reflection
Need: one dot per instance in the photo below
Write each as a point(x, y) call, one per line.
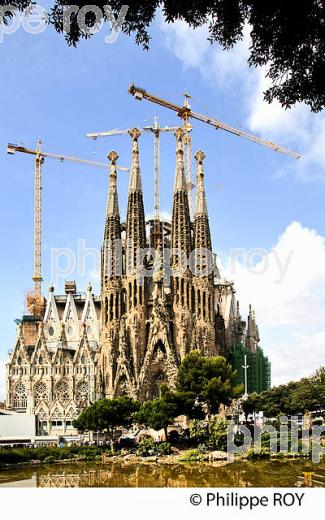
point(243, 474)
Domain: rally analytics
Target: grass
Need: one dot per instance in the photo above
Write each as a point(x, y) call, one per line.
point(49, 454)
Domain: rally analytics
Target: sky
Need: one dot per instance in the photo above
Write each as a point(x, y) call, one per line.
point(266, 209)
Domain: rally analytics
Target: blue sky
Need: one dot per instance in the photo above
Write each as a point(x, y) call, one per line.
point(266, 201)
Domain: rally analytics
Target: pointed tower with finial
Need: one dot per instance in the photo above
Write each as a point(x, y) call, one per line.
point(181, 242)
point(203, 288)
point(135, 283)
point(252, 335)
point(111, 285)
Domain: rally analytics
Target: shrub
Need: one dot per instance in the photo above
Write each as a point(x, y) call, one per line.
point(264, 454)
point(42, 453)
point(199, 431)
point(218, 435)
point(164, 448)
point(191, 456)
point(146, 447)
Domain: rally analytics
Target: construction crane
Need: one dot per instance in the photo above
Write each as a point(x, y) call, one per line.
point(185, 113)
point(155, 129)
point(36, 301)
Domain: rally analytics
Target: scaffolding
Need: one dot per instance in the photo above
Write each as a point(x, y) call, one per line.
point(258, 371)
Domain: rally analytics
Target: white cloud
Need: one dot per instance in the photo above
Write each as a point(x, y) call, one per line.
point(189, 46)
point(299, 357)
point(297, 128)
point(291, 312)
point(290, 308)
point(2, 380)
point(193, 49)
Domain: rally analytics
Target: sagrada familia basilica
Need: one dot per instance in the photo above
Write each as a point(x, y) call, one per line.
point(161, 296)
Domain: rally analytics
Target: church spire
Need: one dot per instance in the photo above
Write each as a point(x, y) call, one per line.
point(202, 236)
point(201, 204)
point(111, 251)
point(135, 220)
point(112, 203)
point(180, 183)
point(252, 336)
point(181, 226)
point(135, 176)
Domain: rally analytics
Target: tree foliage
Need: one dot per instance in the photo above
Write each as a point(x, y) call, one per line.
point(207, 381)
point(157, 414)
point(286, 36)
point(106, 415)
point(295, 397)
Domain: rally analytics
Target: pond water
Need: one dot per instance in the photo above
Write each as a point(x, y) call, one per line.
point(238, 474)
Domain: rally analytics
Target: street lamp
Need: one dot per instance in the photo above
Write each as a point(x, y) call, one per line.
point(245, 367)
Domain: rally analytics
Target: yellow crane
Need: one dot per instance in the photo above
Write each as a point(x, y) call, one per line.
point(155, 129)
point(185, 113)
point(36, 303)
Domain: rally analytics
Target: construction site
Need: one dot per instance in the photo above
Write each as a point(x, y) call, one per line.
point(74, 348)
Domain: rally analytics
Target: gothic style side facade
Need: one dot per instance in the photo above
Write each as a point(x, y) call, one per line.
point(51, 371)
point(161, 297)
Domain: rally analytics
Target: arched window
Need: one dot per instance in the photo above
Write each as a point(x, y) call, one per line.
point(193, 299)
point(40, 360)
point(122, 387)
point(82, 393)
point(19, 360)
point(159, 347)
point(123, 301)
point(20, 396)
point(158, 380)
point(134, 293)
point(130, 295)
point(62, 391)
point(40, 392)
point(111, 306)
point(116, 306)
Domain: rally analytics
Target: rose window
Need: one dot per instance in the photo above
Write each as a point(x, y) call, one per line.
point(20, 396)
point(82, 392)
point(40, 392)
point(62, 391)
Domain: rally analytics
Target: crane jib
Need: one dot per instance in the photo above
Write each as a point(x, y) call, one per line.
point(185, 113)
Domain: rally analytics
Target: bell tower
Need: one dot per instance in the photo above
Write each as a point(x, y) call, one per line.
point(111, 285)
point(135, 283)
point(181, 242)
point(202, 267)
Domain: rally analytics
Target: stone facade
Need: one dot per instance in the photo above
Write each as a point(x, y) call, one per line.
point(52, 372)
point(132, 338)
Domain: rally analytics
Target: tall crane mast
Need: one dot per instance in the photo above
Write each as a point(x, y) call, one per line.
point(39, 160)
point(155, 129)
point(37, 276)
point(186, 113)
